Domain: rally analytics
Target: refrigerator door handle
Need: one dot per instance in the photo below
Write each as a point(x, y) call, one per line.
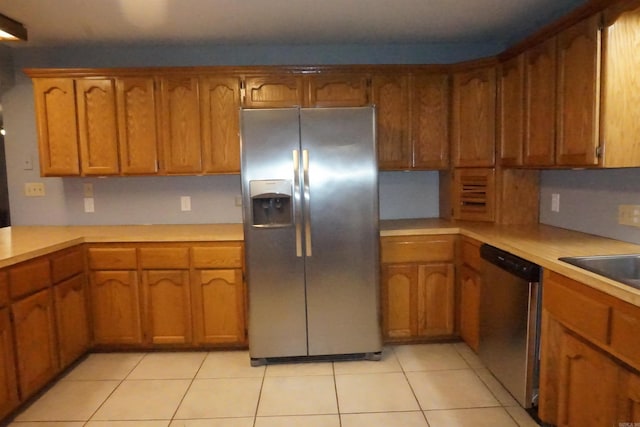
point(296, 202)
point(307, 200)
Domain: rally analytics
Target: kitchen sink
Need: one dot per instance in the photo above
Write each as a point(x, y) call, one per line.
point(623, 268)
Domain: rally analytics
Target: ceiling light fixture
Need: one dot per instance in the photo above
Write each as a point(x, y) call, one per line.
point(11, 30)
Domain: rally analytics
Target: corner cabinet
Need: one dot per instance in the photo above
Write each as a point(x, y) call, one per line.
point(418, 295)
point(470, 291)
point(474, 117)
point(430, 120)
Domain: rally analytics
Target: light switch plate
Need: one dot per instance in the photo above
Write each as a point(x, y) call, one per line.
point(185, 203)
point(89, 206)
point(87, 188)
point(555, 202)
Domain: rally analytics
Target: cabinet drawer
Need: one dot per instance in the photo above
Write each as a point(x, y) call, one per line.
point(164, 258)
point(4, 289)
point(29, 277)
point(112, 258)
point(625, 330)
point(66, 265)
point(471, 253)
point(417, 249)
point(217, 256)
point(569, 302)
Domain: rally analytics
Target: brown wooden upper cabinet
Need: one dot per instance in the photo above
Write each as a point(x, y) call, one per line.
point(180, 118)
point(540, 104)
point(620, 108)
point(337, 90)
point(97, 126)
point(219, 106)
point(137, 107)
point(578, 94)
point(273, 91)
point(430, 111)
point(474, 116)
point(510, 111)
point(391, 98)
point(55, 103)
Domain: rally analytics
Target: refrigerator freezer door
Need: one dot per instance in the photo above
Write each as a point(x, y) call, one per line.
point(342, 210)
point(277, 315)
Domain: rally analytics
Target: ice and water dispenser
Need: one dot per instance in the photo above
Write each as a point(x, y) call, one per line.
point(271, 202)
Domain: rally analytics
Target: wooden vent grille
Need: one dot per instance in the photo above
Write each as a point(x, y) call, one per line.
point(475, 194)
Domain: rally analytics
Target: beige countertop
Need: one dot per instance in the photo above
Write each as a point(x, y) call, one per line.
point(540, 244)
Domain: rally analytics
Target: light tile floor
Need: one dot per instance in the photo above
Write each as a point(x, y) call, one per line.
point(430, 385)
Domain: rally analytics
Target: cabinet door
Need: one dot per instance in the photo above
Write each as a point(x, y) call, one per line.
point(220, 106)
point(587, 385)
point(180, 122)
point(629, 406)
point(338, 90)
point(391, 98)
point(55, 103)
point(470, 288)
point(578, 94)
point(97, 126)
point(115, 307)
point(8, 381)
point(276, 91)
point(474, 118)
point(430, 121)
point(399, 294)
point(540, 104)
point(72, 319)
point(511, 111)
point(167, 306)
point(137, 125)
point(36, 349)
point(620, 125)
point(219, 307)
point(436, 300)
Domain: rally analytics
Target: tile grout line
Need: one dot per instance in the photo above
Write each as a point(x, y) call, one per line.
point(195, 375)
point(264, 376)
point(501, 405)
point(335, 388)
point(93, 414)
point(404, 372)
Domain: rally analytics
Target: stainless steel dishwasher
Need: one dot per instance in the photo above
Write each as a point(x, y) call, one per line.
point(510, 322)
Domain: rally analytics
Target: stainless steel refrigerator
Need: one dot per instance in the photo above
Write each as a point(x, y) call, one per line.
point(310, 210)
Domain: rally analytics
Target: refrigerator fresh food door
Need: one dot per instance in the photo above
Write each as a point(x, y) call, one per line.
point(275, 274)
point(341, 234)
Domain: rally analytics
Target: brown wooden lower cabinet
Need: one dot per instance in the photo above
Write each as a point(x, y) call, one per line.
point(115, 307)
point(585, 378)
point(470, 291)
point(219, 306)
point(167, 306)
point(8, 381)
point(72, 318)
point(35, 338)
point(417, 287)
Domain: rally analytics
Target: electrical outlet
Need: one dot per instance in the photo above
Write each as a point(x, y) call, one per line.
point(629, 215)
point(34, 189)
point(185, 203)
point(555, 202)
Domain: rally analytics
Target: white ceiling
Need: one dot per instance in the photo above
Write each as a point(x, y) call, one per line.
point(55, 22)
